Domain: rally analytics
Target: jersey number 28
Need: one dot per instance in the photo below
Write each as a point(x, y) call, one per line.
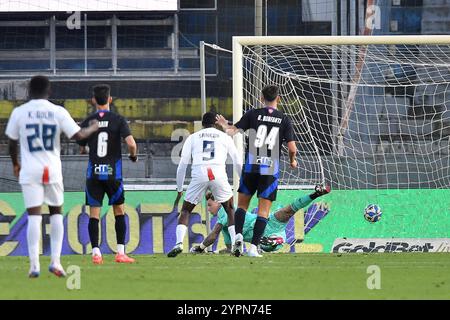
point(47, 132)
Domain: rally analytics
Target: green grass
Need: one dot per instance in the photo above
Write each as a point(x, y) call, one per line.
point(276, 276)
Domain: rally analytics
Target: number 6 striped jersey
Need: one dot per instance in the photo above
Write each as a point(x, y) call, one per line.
point(37, 125)
point(105, 145)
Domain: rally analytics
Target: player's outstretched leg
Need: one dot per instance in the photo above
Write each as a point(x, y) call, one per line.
point(304, 201)
point(320, 190)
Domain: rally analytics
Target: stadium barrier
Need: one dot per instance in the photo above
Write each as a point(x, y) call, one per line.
point(152, 220)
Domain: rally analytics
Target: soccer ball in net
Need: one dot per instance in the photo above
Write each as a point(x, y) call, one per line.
point(372, 213)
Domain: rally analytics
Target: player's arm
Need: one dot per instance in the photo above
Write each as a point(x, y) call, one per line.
point(184, 161)
point(125, 133)
point(289, 138)
point(13, 148)
point(231, 130)
point(83, 150)
point(83, 142)
point(84, 133)
point(209, 240)
point(132, 148)
point(292, 148)
point(71, 128)
point(214, 234)
point(12, 131)
point(243, 124)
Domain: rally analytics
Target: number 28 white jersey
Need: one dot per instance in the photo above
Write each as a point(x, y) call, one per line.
point(37, 125)
point(208, 149)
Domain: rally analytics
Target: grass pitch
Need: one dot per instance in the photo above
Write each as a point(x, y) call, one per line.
point(275, 276)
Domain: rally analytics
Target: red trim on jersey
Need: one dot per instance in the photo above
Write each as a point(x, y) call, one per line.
point(46, 176)
point(210, 174)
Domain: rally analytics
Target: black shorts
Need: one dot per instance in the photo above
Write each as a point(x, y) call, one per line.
point(266, 185)
point(96, 189)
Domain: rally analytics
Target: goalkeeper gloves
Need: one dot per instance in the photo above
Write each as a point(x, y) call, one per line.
point(133, 158)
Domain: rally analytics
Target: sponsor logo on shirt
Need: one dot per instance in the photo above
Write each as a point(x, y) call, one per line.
point(264, 161)
point(103, 169)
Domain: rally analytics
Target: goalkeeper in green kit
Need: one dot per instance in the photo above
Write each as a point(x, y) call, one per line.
point(275, 233)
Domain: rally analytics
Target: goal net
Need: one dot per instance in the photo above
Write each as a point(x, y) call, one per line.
point(368, 112)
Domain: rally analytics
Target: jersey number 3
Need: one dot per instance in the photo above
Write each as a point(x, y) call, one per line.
point(102, 144)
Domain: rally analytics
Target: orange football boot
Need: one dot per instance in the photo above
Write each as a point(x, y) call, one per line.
point(97, 259)
point(123, 258)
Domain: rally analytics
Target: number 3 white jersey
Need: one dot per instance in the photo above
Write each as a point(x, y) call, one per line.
point(208, 149)
point(37, 125)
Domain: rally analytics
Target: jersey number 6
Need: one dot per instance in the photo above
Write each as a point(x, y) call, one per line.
point(102, 144)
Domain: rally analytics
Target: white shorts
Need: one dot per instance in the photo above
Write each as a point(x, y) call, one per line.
point(220, 189)
point(36, 194)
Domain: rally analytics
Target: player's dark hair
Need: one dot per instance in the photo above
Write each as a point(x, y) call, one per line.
point(270, 93)
point(101, 94)
point(209, 196)
point(39, 87)
point(209, 119)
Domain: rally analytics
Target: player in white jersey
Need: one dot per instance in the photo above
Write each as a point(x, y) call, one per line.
point(208, 149)
point(37, 126)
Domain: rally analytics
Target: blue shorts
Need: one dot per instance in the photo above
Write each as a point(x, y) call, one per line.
point(265, 185)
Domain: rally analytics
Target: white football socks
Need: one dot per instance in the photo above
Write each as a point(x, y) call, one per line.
point(121, 249)
point(232, 233)
point(33, 239)
point(56, 237)
point(181, 232)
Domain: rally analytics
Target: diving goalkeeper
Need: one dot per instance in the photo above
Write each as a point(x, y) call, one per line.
point(275, 233)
